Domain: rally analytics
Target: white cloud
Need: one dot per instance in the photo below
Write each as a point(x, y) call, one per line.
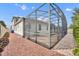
point(16, 4)
point(40, 18)
point(23, 7)
point(33, 7)
point(43, 19)
point(68, 9)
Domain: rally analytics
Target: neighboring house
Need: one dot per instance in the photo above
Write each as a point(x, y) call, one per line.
point(23, 26)
point(14, 20)
point(2, 30)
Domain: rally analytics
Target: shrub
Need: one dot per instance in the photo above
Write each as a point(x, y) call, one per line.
point(76, 51)
point(76, 30)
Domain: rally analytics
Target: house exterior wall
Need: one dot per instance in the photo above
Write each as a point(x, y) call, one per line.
point(25, 26)
point(43, 27)
point(14, 20)
point(32, 29)
point(19, 28)
point(12, 27)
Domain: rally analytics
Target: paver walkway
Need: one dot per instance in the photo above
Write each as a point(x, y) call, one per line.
point(19, 46)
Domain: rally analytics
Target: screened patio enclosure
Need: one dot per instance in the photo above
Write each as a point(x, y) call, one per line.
point(46, 25)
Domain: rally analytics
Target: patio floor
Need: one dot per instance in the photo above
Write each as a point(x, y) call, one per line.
point(19, 46)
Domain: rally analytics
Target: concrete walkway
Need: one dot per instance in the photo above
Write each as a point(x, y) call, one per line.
point(66, 52)
point(67, 42)
point(66, 45)
point(19, 46)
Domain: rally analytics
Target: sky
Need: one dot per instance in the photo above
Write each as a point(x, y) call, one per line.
point(8, 10)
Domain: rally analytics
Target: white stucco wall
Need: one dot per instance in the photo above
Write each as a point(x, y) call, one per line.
point(33, 27)
point(19, 28)
point(12, 27)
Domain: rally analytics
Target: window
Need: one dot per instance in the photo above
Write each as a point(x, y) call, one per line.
point(39, 27)
point(50, 27)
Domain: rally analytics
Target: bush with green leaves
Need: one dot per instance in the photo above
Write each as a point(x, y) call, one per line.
point(76, 51)
point(76, 30)
point(76, 25)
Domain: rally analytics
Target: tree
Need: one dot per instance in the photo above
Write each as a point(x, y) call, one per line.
point(2, 23)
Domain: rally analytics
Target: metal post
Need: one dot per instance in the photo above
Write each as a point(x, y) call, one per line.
point(49, 22)
point(28, 28)
point(24, 27)
point(58, 30)
point(36, 26)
